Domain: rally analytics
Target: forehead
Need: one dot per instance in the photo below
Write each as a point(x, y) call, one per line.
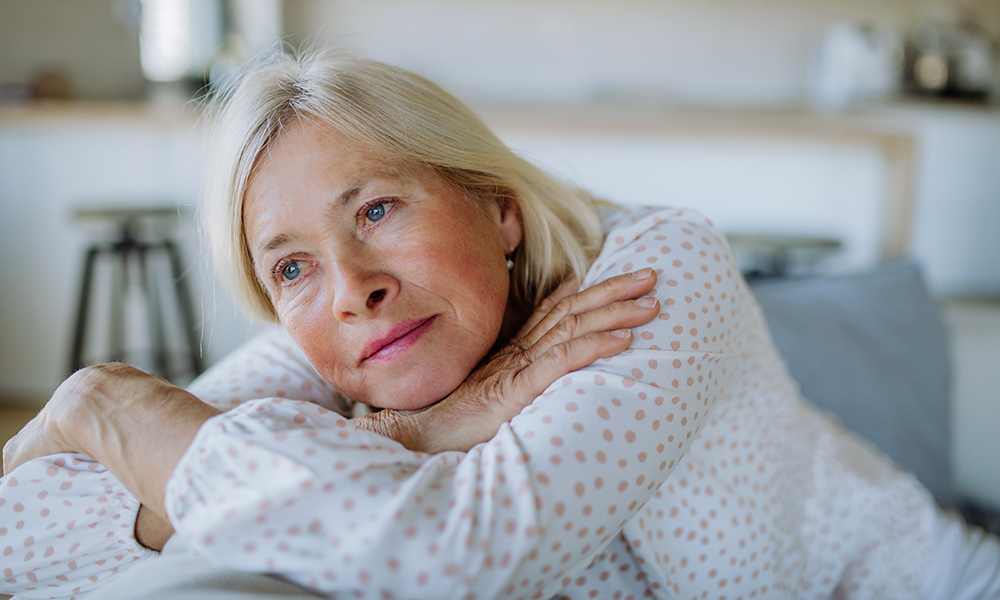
point(305, 144)
point(316, 160)
point(316, 166)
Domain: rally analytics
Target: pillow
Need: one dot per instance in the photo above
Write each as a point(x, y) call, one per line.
point(872, 349)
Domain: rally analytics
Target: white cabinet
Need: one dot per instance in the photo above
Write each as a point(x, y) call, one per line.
point(974, 327)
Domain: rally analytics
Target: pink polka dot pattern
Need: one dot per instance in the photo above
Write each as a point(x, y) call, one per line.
point(685, 467)
point(71, 555)
point(772, 499)
point(65, 528)
point(614, 574)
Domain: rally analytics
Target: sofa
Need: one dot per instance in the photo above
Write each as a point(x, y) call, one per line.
point(871, 348)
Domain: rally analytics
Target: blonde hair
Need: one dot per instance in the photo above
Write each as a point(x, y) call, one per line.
point(404, 118)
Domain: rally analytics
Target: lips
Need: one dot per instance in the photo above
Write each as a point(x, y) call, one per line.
point(398, 339)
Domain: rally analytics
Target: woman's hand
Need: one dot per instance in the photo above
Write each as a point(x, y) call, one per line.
point(43, 436)
point(569, 330)
point(136, 424)
point(39, 437)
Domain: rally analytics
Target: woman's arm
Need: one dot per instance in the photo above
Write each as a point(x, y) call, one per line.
point(72, 523)
point(90, 529)
point(139, 424)
point(65, 528)
point(269, 363)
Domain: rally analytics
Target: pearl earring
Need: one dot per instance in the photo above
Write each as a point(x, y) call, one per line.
point(510, 261)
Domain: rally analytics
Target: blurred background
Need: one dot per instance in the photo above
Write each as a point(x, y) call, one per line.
point(823, 136)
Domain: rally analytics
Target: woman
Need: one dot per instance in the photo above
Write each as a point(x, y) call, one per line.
point(458, 314)
point(378, 220)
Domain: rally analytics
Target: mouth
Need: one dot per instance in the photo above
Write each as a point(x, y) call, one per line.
point(397, 340)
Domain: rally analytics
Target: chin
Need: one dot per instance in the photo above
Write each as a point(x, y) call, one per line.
point(413, 394)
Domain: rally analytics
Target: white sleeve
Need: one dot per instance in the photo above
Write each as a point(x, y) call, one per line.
point(77, 516)
point(66, 527)
point(290, 488)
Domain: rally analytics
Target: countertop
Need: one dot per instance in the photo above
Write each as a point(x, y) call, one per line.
point(623, 117)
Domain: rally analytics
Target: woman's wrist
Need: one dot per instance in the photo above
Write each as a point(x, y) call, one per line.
point(455, 423)
point(394, 424)
point(151, 530)
point(77, 412)
point(134, 423)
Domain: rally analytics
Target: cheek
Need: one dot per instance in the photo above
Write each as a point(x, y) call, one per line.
point(299, 313)
point(313, 330)
point(469, 278)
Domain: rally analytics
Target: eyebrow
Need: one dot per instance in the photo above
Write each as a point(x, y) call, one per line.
point(276, 242)
point(348, 195)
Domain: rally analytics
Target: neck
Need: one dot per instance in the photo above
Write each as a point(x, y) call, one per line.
point(514, 319)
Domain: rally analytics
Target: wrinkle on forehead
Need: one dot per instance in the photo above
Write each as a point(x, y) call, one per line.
point(377, 169)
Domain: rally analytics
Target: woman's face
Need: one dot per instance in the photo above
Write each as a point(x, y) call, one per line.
point(390, 280)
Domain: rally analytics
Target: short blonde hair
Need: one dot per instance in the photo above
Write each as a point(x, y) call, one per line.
point(404, 118)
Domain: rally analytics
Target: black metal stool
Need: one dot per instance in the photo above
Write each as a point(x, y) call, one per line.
point(130, 253)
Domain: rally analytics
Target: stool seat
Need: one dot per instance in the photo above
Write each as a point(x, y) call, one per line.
point(774, 255)
point(150, 265)
point(126, 213)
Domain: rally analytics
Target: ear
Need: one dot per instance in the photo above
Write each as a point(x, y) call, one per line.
point(510, 222)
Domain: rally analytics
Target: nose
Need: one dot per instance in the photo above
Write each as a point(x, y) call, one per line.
point(361, 290)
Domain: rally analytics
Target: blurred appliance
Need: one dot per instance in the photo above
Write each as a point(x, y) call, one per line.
point(856, 63)
point(949, 58)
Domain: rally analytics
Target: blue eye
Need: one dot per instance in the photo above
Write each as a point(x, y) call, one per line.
point(291, 271)
point(375, 213)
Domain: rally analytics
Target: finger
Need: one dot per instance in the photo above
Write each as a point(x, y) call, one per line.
point(562, 359)
point(627, 286)
point(619, 315)
point(569, 286)
point(616, 289)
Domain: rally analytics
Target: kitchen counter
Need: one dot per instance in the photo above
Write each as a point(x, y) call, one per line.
point(68, 113)
point(611, 117)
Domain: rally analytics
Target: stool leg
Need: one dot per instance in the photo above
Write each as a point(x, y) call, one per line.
point(119, 293)
point(187, 312)
point(157, 338)
point(82, 306)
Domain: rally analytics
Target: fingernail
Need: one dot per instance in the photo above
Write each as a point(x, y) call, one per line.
point(643, 273)
point(646, 302)
point(622, 333)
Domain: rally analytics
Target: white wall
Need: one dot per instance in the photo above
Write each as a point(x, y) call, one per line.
point(716, 52)
point(745, 185)
point(88, 41)
point(732, 52)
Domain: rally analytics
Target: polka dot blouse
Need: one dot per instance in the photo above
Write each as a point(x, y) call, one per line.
point(686, 467)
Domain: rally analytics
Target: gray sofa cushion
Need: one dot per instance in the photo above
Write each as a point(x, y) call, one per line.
point(871, 348)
